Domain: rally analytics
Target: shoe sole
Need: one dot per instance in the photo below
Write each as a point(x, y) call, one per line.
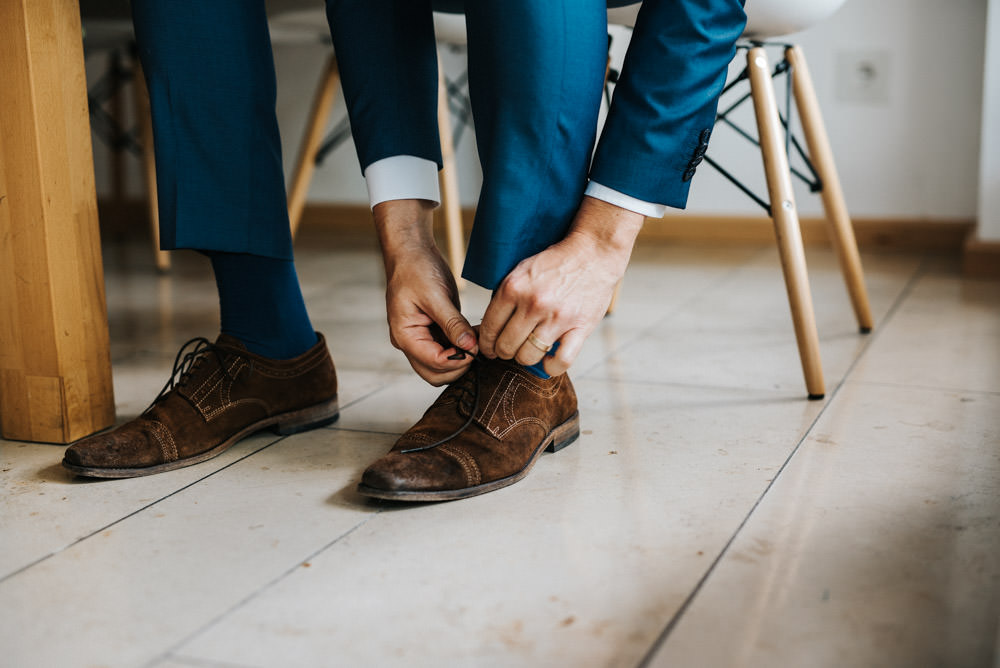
point(285, 424)
point(554, 441)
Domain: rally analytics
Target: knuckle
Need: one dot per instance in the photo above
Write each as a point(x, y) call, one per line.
point(504, 351)
point(537, 303)
point(514, 287)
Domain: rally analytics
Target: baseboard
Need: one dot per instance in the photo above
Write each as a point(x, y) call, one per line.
point(902, 234)
point(354, 221)
point(981, 259)
point(897, 234)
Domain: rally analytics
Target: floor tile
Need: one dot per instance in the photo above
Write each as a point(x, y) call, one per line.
point(127, 594)
point(739, 334)
point(952, 326)
point(877, 546)
point(47, 509)
point(579, 564)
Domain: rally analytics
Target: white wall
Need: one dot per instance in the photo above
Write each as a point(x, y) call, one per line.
point(915, 156)
point(989, 174)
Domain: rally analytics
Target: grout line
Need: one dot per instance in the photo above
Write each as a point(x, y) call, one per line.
point(370, 394)
point(356, 430)
point(169, 652)
point(136, 511)
point(779, 392)
point(195, 662)
point(937, 388)
point(676, 618)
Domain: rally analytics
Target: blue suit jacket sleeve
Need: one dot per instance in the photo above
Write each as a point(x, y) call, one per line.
point(666, 99)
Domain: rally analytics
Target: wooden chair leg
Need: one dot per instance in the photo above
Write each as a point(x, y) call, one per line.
point(838, 220)
point(614, 297)
point(145, 122)
point(618, 286)
point(450, 204)
point(786, 220)
point(319, 114)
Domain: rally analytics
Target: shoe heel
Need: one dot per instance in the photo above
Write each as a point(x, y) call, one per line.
point(313, 417)
point(564, 434)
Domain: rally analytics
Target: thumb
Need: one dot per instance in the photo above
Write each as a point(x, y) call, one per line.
point(454, 325)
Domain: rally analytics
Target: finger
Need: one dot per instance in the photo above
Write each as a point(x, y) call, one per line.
point(529, 353)
point(424, 350)
point(432, 363)
point(456, 328)
point(514, 334)
point(569, 347)
point(497, 314)
point(437, 378)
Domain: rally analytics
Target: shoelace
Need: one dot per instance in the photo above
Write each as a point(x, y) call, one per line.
point(466, 385)
point(185, 363)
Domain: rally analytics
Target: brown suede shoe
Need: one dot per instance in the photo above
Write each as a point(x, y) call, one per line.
point(484, 432)
point(218, 394)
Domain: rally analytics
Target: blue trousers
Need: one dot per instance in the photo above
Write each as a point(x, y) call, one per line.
point(535, 78)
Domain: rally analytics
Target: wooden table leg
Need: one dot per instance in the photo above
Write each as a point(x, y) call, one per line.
point(55, 369)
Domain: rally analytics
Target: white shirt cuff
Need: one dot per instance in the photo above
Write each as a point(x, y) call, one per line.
point(648, 209)
point(402, 177)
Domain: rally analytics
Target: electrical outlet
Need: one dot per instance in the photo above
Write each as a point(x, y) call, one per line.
point(862, 77)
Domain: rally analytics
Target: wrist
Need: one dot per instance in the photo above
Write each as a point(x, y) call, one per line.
point(403, 227)
point(606, 225)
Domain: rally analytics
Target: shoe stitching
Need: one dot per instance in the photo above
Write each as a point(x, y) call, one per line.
point(202, 402)
point(210, 382)
point(225, 392)
point(473, 476)
point(304, 366)
point(507, 404)
point(166, 440)
point(418, 437)
point(485, 420)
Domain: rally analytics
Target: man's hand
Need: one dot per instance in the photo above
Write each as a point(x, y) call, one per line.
point(563, 292)
point(421, 297)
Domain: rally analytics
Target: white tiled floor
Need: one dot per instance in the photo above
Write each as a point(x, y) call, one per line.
point(709, 516)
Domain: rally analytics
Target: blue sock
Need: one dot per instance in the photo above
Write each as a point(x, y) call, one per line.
point(260, 303)
point(538, 369)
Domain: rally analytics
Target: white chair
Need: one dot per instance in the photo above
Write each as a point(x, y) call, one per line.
point(767, 20)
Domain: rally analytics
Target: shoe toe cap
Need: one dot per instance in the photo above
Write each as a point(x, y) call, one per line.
point(415, 472)
point(116, 449)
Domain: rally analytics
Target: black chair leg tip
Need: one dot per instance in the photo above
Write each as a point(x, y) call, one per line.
point(865, 330)
point(816, 397)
